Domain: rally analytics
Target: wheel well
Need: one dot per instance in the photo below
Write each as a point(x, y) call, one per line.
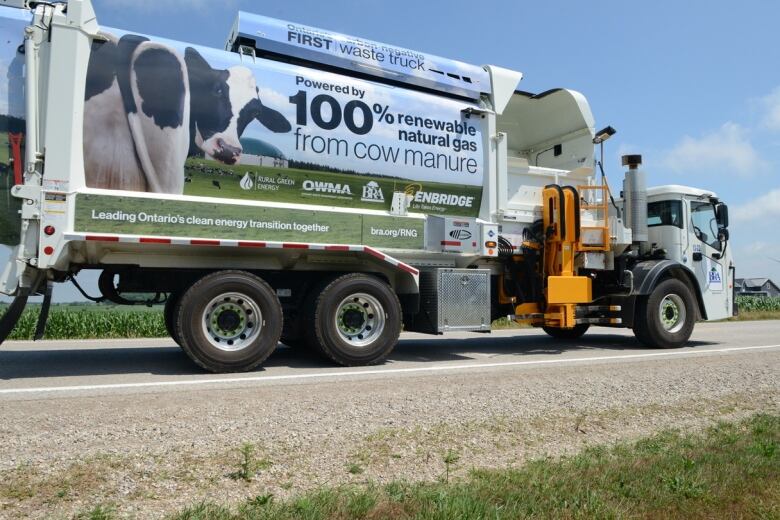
point(146, 280)
point(648, 274)
point(688, 279)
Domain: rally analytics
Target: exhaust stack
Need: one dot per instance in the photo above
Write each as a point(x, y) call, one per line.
point(635, 201)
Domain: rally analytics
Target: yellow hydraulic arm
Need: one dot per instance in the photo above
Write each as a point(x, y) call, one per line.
point(564, 290)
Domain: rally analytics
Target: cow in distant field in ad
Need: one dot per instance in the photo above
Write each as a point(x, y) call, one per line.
point(148, 108)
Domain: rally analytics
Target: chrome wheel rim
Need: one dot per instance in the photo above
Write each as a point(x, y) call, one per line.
point(232, 321)
point(671, 311)
point(360, 319)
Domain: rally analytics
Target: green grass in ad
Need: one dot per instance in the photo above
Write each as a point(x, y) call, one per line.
point(209, 220)
point(5, 148)
point(10, 220)
point(212, 179)
point(142, 216)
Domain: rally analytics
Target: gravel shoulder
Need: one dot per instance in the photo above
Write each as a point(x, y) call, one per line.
point(154, 453)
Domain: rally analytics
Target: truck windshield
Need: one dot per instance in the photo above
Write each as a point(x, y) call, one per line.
point(665, 213)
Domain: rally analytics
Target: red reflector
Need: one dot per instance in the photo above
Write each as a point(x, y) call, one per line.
point(48, 250)
point(49, 230)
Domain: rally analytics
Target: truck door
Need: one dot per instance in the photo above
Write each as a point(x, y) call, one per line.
point(666, 225)
point(708, 260)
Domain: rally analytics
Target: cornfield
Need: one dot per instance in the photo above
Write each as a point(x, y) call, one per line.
point(101, 322)
point(95, 322)
point(757, 304)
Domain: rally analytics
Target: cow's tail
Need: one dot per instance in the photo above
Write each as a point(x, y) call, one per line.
point(155, 91)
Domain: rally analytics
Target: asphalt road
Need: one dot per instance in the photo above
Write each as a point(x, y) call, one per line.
point(54, 369)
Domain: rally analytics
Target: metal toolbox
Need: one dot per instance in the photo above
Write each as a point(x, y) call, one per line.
point(456, 299)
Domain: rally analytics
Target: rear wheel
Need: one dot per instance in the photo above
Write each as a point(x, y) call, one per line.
point(666, 317)
point(169, 314)
point(356, 320)
point(229, 321)
point(574, 333)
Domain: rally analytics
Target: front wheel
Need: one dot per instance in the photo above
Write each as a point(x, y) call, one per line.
point(665, 318)
point(229, 321)
point(356, 320)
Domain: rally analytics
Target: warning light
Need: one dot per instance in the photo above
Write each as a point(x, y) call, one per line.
point(49, 230)
point(48, 250)
point(490, 252)
point(490, 244)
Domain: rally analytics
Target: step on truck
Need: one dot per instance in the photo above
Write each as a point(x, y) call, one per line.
point(328, 191)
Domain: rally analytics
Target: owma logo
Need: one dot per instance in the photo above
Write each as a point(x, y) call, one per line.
point(327, 187)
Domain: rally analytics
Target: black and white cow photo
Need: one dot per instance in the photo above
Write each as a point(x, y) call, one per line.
point(148, 108)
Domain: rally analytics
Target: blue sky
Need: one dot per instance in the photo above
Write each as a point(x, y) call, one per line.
point(694, 86)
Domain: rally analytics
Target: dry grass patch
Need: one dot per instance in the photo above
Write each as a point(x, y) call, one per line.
point(731, 470)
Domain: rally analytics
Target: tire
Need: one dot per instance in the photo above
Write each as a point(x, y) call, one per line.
point(355, 320)
point(296, 343)
point(299, 332)
point(567, 334)
point(216, 321)
point(666, 317)
point(169, 313)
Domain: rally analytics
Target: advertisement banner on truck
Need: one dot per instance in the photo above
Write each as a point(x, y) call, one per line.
point(210, 123)
point(168, 218)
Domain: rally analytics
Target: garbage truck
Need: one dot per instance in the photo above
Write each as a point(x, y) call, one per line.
point(328, 191)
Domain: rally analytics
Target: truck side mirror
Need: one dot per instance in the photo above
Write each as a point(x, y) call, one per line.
point(722, 215)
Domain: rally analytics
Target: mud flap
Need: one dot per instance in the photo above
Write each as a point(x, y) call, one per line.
point(43, 317)
point(14, 311)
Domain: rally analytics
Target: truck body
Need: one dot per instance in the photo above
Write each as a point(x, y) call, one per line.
point(329, 191)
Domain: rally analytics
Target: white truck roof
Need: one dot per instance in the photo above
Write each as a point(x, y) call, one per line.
point(359, 55)
point(677, 189)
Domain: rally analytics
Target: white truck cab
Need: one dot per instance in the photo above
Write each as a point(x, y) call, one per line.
point(692, 225)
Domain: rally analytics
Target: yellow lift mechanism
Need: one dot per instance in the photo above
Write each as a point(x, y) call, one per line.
point(564, 238)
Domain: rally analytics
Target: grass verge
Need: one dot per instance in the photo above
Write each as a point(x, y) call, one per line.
point(729, 471)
